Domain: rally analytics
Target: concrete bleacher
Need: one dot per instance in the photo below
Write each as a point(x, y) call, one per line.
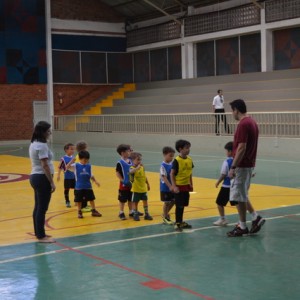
point(264, 91)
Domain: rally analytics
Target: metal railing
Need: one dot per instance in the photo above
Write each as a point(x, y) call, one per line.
point(273, 124)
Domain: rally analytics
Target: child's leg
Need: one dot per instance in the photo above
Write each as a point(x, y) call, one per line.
point(121, 206)
point(165, 209)
point(169, 207)
point(221, 211)
point(80, 216)
point(66, 193)
point(145, 205)
point(179, 210)
point(95, 212)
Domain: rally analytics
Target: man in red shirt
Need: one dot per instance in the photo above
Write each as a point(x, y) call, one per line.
point(244, 157)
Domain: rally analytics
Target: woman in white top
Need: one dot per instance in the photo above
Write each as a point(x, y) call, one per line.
point(41, 178)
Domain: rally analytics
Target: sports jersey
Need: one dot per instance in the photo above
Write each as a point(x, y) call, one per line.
point(225, 170)
point(83, 174)
point(165, 170)
point(63, 163)
point(183, 170)
point(123, 169)
point(138, 180)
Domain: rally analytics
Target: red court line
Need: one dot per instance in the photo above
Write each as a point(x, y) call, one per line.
point(154, 283)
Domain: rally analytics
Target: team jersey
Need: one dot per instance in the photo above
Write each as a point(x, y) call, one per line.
point(138, 180)
point(63, 164)
point(165, 170)
point(83, 174)
point(225, 170)
point(123, 169)
point(183, 168)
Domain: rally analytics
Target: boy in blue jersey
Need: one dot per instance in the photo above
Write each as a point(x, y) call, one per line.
point(122, 172)
point(166, 194)
point(69, 176)
point(83, 186)
point(223, 196)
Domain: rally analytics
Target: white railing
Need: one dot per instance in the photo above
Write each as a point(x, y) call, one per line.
point(276, 124)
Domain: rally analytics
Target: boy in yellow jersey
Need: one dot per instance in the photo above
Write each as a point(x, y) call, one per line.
point(182, 182)
point(140, 186)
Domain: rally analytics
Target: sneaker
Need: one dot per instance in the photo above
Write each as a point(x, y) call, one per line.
point(257, 224)
point(68, 204)
point(131, 214)
point(177, 227)
point(238, 231)
point(148, 217)
point(185, 225)
point(46, 240)
point(140, 213)
point(86, 209)
point(122, 216)
point(95, 213)
point(136, 217)
point(80, 216)
point(167, 220)
point(221, 222)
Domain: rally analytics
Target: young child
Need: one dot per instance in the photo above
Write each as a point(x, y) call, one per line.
point(182, 182)
point(223, 196)
point(122, 172)
point(166, 194)
point(69, 176)
point(140, 186)
point(83, 187)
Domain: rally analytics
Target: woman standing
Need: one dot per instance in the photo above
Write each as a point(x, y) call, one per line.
point(41, 178)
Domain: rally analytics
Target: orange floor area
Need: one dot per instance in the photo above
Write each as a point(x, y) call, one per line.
point(16, 197)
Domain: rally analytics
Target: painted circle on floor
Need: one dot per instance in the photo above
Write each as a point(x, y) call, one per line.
point(12, 177)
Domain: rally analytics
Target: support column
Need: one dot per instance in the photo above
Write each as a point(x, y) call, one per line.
point(266, 41)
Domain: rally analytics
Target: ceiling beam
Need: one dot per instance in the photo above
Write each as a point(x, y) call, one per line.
point(257, 4)
point(162, 11)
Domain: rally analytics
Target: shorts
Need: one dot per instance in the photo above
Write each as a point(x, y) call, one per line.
point(182, 198)
point(167, 197)
point(124, 196)
point(240, 185)
point(84, 195)
point(136, 197)
point(69, 184)
point(223, 197)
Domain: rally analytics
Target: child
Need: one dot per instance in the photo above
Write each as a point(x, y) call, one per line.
point(140, 186)
point(223, 196)
point(166, 195)
point(122, 172)
point(69, 176)
point(83, 187)
point(182, 182)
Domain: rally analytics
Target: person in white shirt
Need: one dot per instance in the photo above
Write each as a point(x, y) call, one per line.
point(218, 109)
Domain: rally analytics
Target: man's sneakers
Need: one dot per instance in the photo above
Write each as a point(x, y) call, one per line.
point(221, 222)
point(257, 224)
point(238, 231)
point(180, 226)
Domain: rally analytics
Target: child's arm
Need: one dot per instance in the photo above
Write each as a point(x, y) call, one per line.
point(148, 185)
point(68, 166)
point(134, 169)
point(191, 183)
point(95, 181)
point(58, 174)
point(119, 176)
point(221, 178)
point(173, 181)
point(166, 181)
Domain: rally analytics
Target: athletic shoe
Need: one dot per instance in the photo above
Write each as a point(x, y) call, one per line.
point(86, 209)
point(238, 231)
point(221, 222)
point(177, 227)
point(80, 216)
point(122, 216)
point(95, 213)
point(185, 225)
point(136, 217)
point(46, 240)
point(148, 217)
point(167, 220)
point(257, 224)
point(68, 204)
point(131, 214)
point(140, 213)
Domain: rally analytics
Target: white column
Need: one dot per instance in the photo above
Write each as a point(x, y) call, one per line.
point(266, 41)
point(187, 60)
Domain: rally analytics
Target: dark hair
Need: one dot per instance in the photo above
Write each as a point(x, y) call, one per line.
point(229, 146)
point(39, 132)
point(219, 91)
point(81, 145)
point(135, 155)
point(68, 145)
point(167, 150)
point(239, 105)
point(84, 154)
point(122, 148)
point(181, 144)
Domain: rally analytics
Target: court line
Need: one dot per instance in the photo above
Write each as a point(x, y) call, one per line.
point(135, 239)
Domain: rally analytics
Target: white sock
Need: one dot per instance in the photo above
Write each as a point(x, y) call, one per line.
point(254, 215)
point(243, 225)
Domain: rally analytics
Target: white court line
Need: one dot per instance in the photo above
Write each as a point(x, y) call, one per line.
point(127, 240)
